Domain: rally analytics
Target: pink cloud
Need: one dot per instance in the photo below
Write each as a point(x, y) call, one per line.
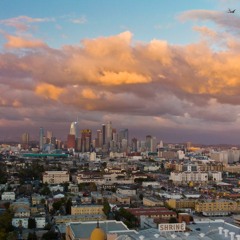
point(21, 23)
point(19, 42)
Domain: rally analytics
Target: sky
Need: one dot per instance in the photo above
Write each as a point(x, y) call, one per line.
point(170, 69)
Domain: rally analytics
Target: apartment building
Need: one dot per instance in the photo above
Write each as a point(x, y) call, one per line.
point(210, 207)
point(55, 177)
point(184, 203)
point(152, 202)
point(86, 209)
point(195, 177)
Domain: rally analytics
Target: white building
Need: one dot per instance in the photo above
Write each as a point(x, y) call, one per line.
point(151, 168)
point(93, 156)
point(20, 221)
point(195, 177)
point(187, 177)
point(56, 188)
point(220, 156)
point(180, 154)
point(126, 191)
point(22, 212)
point(55, 177)
point(8, 196)
point(40, 221)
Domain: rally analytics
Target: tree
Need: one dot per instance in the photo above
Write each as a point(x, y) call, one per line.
point(65, 186)
point(32, 236)
point(106, 207)
point(6, 227)
point(57, 205)
point(45, 190)
point(68, 206)
point(11, 236)
point(92, 187)
point(32, 223)
point(50, 235)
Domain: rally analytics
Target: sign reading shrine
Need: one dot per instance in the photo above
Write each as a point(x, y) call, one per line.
point(174, 227)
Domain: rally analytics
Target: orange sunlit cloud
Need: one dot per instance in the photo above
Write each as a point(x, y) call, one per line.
point(112, 78)
point(48, 91)
point(89, 94)
point(19, 42)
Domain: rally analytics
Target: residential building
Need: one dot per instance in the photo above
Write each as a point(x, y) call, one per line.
point(87, 209)
point(55, 177)
point(8, 196)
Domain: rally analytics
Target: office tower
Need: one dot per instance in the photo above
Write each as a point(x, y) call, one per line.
point(74, 129)
point(99, 140)
point(123, 134)
point(58, 144)
point(108, 132)
point(86, 136)
point(71, 141)
point(25, 140)
point(134, 145)
point(153, 147)
point(114, 135)
point(103, 134)
point(124, 145)
point(41, 138)
point(79, 144)
point(148, 142)
point(49, 136)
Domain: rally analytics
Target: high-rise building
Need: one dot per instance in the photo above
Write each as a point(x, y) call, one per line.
point(41, 138)
point(108, 132)
point(148, 142)
point(25, 140)
point(86, 140)
point(134, 145)
point(123, 134)
point(74, 129)
point(104, 134)
point(99, 140)
point(49, 136)
point(71, 141)
point(153, 146)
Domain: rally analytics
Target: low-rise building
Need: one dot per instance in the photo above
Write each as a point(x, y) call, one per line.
point(55, 177)
point(217, 207)
point(126, 190)
point(20, 222)
point(87, 209)
point(152, 202)
point(153, 212)
point(181, 203)
point(11, 196)
point(79, 218)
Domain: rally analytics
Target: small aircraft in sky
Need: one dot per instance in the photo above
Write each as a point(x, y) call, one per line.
point(231, 11)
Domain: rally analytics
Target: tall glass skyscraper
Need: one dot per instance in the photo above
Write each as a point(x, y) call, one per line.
point(74, 129)
point(41, 137)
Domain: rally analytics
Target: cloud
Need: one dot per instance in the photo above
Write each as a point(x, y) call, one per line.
point(19, 42)
point(144, 84)
point(21, 23)
point(80, 20)
point(222, 19)
point(49, 91)
point(112, 78)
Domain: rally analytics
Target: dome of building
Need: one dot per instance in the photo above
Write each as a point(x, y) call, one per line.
point(98, 234)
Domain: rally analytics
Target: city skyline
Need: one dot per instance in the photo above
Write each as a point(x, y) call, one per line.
point(166, 69)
